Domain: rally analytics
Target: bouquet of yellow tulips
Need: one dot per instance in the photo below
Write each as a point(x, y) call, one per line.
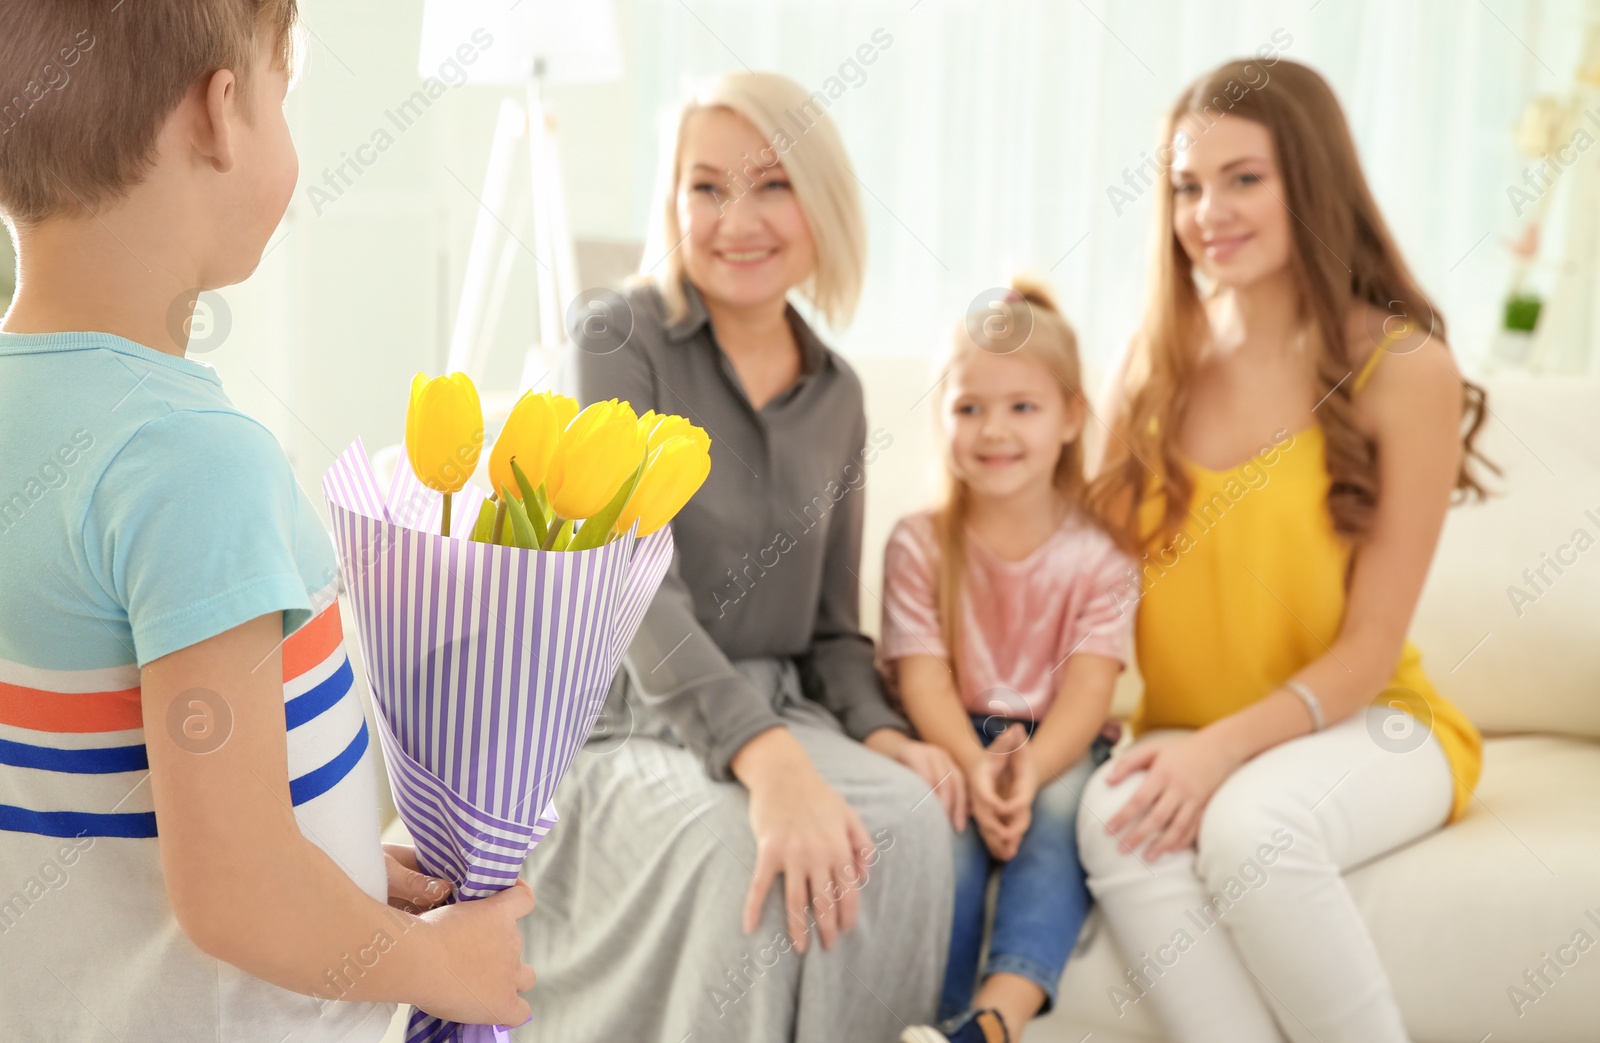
point(491, 624)
point(564, 479)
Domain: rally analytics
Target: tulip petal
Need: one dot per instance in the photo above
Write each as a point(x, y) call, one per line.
point(597, 530)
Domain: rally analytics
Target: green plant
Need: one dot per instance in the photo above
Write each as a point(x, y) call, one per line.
point(1522, 312)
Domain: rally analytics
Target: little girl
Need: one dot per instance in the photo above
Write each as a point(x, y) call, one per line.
point(1004, 631)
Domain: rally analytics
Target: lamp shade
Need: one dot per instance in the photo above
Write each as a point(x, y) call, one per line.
point(566, 41)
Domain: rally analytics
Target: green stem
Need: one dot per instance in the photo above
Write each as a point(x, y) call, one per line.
point(556, 521)
point(499, 522)
point(446, 522)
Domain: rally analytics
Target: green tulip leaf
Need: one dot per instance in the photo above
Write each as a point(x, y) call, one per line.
point(520, 525)
point(597, 530)
point(483, 528)
point(530, 502)
point(497, 532)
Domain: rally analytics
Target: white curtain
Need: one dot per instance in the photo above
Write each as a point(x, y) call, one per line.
point(986, 135)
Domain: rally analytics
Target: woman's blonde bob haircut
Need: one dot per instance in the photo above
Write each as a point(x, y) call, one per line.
point(805, 140)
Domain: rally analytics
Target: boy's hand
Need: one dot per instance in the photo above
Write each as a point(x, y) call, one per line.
point(249, 888)
point(480, 951)
point(410, 889)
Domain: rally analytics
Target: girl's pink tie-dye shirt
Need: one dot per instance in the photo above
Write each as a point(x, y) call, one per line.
point(1021, 619)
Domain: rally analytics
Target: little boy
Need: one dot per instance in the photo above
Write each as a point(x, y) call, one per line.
point(188, 836)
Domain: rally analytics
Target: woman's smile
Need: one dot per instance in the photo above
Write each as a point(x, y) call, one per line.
point(1221, 248)
point(746, 259)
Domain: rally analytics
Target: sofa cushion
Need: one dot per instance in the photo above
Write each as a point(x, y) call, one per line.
point(1507, 619)
point(1462, 918)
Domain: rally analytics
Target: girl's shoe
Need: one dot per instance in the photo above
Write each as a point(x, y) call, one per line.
point(975, 1026)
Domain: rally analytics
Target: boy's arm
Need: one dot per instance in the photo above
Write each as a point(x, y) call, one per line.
point(246, 885)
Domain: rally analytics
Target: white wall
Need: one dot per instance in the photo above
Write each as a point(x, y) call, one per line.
point(986, 139)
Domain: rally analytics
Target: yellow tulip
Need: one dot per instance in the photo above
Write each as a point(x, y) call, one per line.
point(658, 429)
point(566, 408)
point(599, 450)
point(444, 430)
point(676, 470)
point(531, 433)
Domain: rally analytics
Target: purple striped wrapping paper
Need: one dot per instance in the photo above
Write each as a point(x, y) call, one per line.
point(488, 667)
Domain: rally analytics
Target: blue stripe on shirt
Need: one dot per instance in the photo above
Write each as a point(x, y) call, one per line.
point(109, 760)
point(142, 824)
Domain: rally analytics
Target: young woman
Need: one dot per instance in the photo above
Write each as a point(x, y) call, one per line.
point(763, 789)
point(1004, 632)
point(1288, 434)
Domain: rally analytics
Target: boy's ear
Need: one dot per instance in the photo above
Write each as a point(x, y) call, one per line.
point(217, 111)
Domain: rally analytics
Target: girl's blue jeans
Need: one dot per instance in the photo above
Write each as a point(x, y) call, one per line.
point(1042, 901)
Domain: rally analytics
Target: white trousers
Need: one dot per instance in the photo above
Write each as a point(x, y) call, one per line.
point(1252, 934)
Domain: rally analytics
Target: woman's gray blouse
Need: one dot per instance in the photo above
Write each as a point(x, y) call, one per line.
point(768, 551)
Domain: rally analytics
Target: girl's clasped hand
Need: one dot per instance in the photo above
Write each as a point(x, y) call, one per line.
point(1003, 780)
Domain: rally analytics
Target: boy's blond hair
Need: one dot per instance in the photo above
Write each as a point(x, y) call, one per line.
point(86, 85)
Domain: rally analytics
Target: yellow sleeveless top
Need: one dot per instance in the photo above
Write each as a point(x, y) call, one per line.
point(1253, 588)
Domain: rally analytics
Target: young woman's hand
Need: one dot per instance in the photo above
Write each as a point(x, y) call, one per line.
point(1181, 774)
point(935, 766)
point(410, 889)
point(807, 833)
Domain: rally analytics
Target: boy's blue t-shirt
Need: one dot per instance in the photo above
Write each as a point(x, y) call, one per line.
point(141, 513)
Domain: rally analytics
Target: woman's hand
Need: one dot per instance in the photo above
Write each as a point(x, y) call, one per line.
point(805, 831)
point(1181, 774)
point(935, 766)
point(410, 889)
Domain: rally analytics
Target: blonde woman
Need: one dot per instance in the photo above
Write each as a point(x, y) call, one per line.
point(1289, 433)
point(749, 847)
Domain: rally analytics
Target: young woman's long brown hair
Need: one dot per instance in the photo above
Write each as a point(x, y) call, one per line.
point(1343, 256)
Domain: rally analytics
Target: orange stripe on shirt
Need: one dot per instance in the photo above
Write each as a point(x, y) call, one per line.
point(69, 712)
point(312, 644)
point(44, 711)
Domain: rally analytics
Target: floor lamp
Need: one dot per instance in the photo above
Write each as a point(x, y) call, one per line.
point(537, 44)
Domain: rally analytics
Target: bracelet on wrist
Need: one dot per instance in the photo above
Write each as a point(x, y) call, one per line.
point(1312, 703)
